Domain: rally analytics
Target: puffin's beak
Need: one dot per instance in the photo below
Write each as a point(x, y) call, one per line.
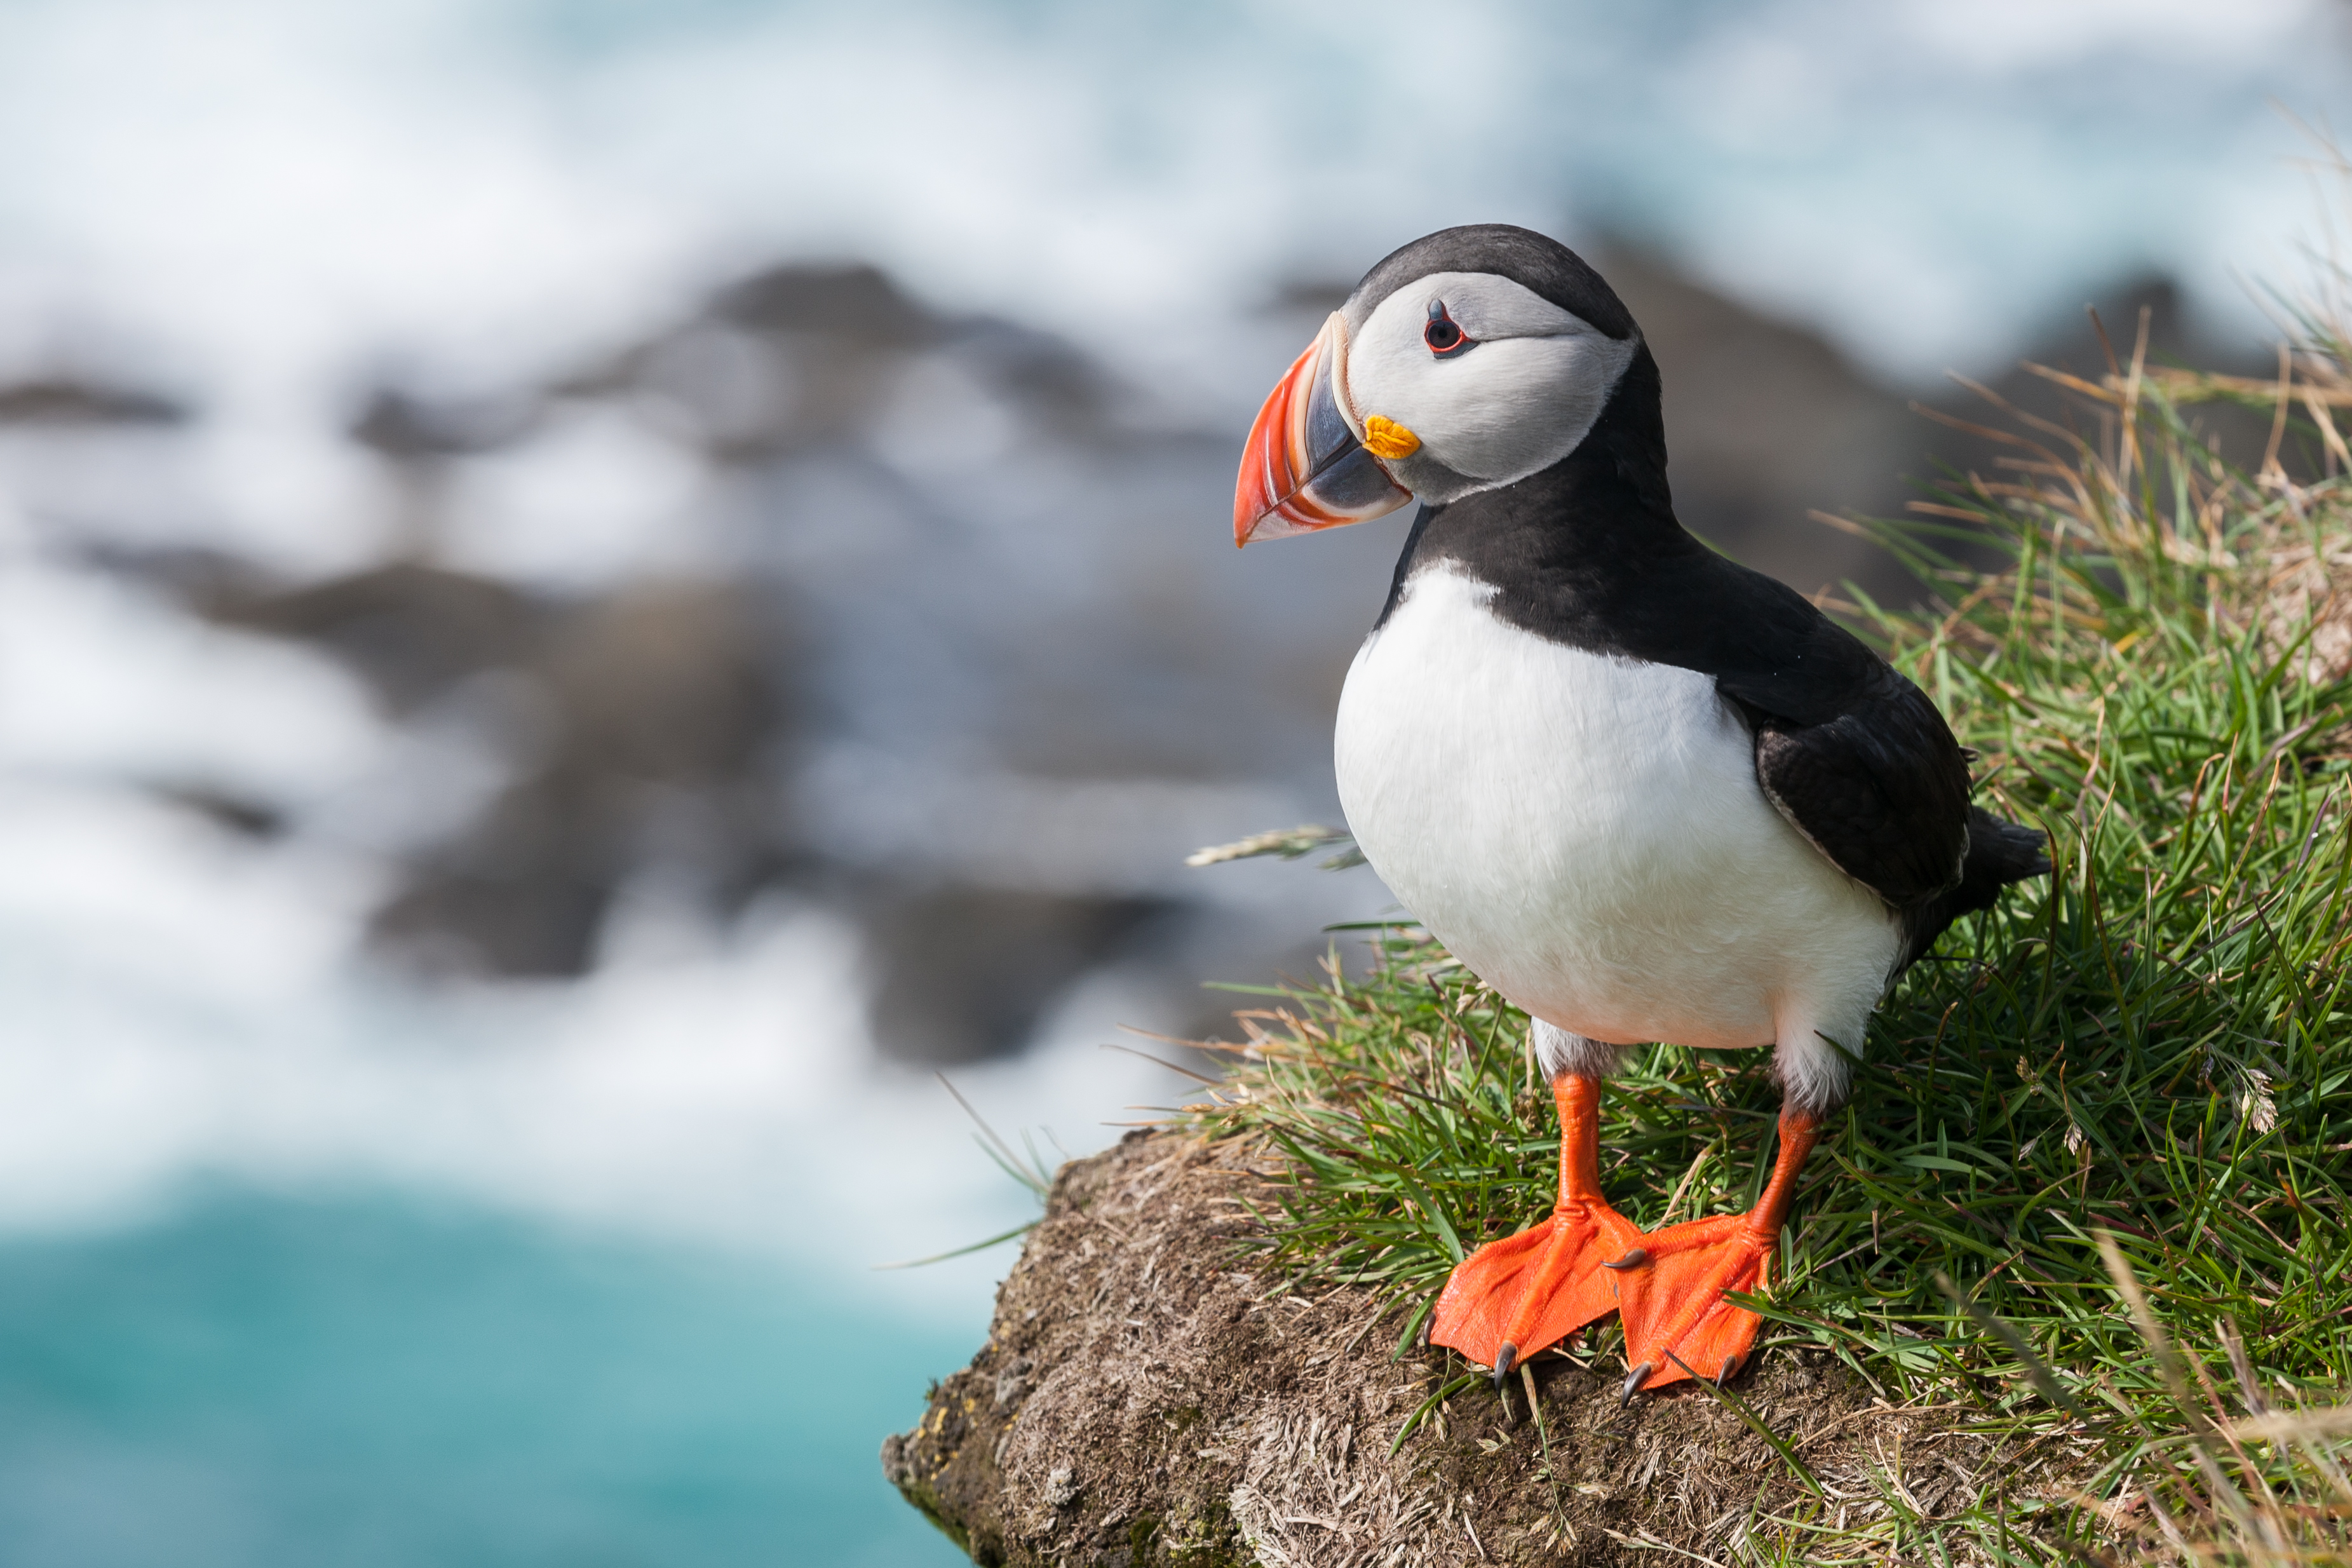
point(1306, 467)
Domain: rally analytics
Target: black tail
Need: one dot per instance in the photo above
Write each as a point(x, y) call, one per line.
point(1999, 853)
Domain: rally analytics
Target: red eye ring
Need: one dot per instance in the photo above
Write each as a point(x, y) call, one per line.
point(1444, 335)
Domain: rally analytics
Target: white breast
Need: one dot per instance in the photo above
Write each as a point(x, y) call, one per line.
point(1586, 832)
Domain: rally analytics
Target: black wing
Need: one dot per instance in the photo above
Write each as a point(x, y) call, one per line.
point(1852, 754)
point(1881, 788)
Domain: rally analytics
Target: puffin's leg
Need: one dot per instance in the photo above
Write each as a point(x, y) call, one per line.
point(1678, 1324)
point(1514, 1297)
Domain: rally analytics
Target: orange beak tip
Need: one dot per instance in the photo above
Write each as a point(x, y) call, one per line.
point(1305, 466)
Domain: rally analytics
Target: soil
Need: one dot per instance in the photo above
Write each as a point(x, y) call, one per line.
point(1147, 1397)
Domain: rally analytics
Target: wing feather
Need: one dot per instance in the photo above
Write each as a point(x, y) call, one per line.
point(1852, 754)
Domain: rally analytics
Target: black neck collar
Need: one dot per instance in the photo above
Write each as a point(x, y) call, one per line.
point(1581, 546)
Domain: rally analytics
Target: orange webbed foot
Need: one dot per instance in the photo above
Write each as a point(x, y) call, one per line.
point(1520, 1295)
point(1677, 1324)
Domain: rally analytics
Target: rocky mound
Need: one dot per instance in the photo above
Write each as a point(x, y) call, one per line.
point(1146, 1397)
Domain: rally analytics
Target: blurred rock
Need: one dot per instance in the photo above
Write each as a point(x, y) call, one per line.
point(2091, 341)
point(792, 358)
point(70, 400)
point(640, 725)
point(240, 814)
point(1766, 422)
point(523, 895)
point(410, 629)
point(658, 715)
point(405, 424)
point(964, 972)
point(857, 304)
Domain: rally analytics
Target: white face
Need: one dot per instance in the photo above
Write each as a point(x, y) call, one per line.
point(1513, 403)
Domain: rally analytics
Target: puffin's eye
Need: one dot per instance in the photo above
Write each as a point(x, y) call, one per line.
point(1444, 337)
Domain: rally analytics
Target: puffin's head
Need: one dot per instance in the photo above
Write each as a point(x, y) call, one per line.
point(1467, 361)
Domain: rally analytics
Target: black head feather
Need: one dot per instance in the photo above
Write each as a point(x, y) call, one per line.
point(1536, 262)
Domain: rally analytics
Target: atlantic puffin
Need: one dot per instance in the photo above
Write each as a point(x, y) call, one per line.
point(1642, 791)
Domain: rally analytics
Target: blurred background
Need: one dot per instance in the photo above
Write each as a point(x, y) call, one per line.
point(593, 590)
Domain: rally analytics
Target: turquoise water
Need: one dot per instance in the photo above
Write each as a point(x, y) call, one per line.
point(374, 1382)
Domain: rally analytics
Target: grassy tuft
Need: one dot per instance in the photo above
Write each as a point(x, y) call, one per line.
point(2090, 1186)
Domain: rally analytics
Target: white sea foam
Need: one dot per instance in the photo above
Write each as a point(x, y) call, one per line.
point(100, 680)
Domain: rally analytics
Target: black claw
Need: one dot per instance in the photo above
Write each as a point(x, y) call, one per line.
point(1503, 1359)
point(1730, 1365)
point(1633, 1384)
point(1634, 1259)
